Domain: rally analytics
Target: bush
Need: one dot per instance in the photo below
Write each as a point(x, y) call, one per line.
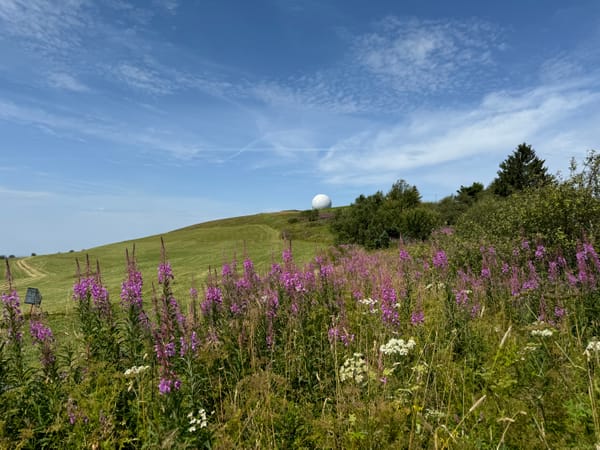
point(558, 214)
point(374, 221)
point(418, 223)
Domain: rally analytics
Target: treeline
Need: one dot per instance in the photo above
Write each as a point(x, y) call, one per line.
point(523, 200)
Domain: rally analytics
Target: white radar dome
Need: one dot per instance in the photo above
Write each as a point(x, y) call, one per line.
point(321, 201)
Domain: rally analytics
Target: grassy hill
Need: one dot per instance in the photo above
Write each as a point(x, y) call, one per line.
point(192, 251)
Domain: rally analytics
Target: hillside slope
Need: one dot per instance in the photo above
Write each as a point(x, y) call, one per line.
point(192, 251)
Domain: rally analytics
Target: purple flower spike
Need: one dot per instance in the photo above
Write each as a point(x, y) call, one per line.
point(165, 272)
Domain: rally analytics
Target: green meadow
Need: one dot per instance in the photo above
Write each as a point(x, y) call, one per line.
point(192, 251)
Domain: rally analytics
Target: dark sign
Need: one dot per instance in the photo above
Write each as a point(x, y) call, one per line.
point(33, 297)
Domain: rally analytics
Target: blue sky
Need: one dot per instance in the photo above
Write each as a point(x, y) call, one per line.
point(120, 119)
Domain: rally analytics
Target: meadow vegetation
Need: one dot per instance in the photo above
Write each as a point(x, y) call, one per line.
point(484, 334)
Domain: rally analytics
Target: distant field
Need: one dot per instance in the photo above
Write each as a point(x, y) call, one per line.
point(191, 251)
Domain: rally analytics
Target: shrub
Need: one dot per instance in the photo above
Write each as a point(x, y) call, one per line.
point(418, 223)
point(375, 220)
point(560, 215)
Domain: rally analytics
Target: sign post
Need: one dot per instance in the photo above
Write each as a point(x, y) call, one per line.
point(33, 298)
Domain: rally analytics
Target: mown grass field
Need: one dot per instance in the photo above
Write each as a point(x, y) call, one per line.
point(192, 251)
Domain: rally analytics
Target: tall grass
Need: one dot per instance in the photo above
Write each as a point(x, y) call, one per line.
point(435, 345)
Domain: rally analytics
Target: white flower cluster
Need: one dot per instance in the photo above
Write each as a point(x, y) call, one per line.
point(354, 369)
point(546, 332)
point(439, 285)
point(201, 421)
point(397, 347)
point(592, 347)
point(135, 370)
point(368, 301)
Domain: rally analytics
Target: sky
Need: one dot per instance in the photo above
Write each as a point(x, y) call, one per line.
point(123, 119)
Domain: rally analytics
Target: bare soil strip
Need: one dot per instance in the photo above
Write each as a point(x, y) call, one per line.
point(31, 272)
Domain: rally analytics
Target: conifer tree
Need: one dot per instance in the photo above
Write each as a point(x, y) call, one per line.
point(521, 170)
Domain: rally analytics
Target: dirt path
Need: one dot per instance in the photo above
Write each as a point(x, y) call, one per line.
point(31, 273)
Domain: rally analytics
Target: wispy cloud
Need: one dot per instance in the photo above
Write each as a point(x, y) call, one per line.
point(67, 82)
point(169, 5)
point(402, 61)
point(143, 78)
point(22, 194)
point(427, 56)
point(46, 26)
point(182, 145)
point(495, 126)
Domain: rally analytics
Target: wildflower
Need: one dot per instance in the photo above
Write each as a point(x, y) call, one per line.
point(434, 414)
point(39, 332)
point(552, 270)
point(326, 271)
point(546, 332)
point(417, 318)
point(272, 301)
point(371, 303)
point(213, 299)
point(91, 288)
point(462, 296)
point(388, 303)
point(592, 347)
point(397, 347)
point(243, 284)
point(572, 279)
point(13, 318)
point(42, 335)
point(166, 385)
point(135, 370)
point(354, 369)
point(74, 412)
point(226, 271)
point(540, 251)
point(342, 334)
point(346, 338)
point(248, 266)
point(404, 255)
point(440, 260)
point(165, 272)
point(293, 282)
point(100, 298)
point(333, 333)
point(131, 289)
point(287, 256)
point(368, 301)
point(201, 420)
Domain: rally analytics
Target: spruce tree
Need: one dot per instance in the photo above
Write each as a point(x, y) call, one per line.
point(521, 170)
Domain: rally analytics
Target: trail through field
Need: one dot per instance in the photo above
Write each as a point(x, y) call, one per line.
point(31, 273)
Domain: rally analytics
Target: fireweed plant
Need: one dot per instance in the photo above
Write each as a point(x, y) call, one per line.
point(433, 345)
point(12, 327)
